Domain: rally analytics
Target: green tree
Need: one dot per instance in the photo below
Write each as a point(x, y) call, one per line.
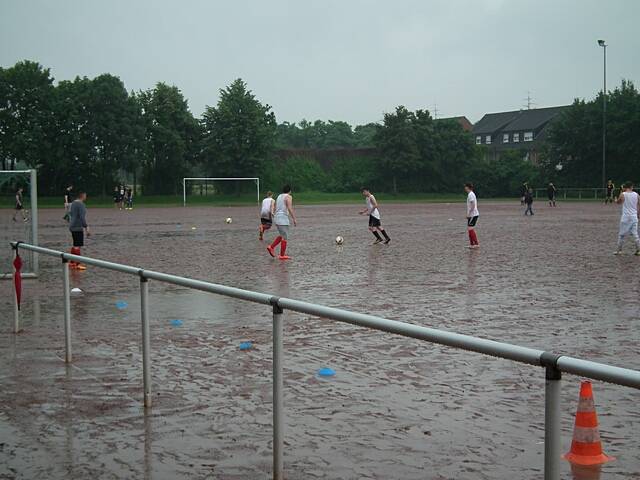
point(26, 94)
point(171, 135)
point(239, 133)
point(364, 135)
point(396, 140)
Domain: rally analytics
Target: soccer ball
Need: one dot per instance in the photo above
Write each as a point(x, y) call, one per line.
point(559, 167)
point(228, 220)
point(339, 240)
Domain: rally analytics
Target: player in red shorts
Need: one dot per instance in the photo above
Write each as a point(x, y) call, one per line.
point(472, 215)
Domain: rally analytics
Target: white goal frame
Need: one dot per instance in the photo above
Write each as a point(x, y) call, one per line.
point(33, 214)
point(186, 179)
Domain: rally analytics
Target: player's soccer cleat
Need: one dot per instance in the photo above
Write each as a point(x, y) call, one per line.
point(378, 240)
point(387, 241)
point(271, 252)
point(637, 254)
point(284, 257)
point(80, 267)
point(618, 252)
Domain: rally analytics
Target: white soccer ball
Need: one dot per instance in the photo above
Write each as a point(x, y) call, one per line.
point(229, 220)
point(339, 240)
point(559, 167)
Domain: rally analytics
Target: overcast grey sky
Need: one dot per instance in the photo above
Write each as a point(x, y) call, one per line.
point(337, 59)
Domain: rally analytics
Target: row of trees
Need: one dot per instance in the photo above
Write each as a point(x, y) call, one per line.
point(94, 133)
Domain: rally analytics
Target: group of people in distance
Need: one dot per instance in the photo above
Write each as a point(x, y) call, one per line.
point(123, 197)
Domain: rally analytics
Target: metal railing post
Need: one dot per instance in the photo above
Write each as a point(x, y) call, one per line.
point(552, 423)
point(278, 419)
point(146, 344)
point(16, 308)
point(67, 310)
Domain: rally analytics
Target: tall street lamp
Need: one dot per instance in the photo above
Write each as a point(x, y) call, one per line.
point(604, 111)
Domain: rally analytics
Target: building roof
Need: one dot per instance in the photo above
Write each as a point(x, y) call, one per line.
point(492, 122)
point(462, 120)
point(533, 119)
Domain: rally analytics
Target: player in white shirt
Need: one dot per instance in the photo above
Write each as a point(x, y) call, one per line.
point(374, 217)
point(472, 215)
point(267, 210)
point(283, 216)
point(630, 201)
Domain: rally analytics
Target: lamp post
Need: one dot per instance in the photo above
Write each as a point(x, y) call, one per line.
point(604, 111)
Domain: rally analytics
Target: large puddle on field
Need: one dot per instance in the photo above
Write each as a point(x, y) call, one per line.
point(396, 407)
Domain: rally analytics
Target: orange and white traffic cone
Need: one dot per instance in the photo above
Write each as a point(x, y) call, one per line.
point(586, 447)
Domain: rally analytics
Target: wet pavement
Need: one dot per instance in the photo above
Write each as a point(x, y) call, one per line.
point(396, 408)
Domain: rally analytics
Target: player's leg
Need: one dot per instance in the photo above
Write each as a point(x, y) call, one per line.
point(634, 234)
point(374, 223)
point(384, 234)
point(284, 232)
point(276, 242)
point(624, 230)
point(473, 238)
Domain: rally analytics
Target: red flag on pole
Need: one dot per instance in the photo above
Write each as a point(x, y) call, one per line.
point(17, 277)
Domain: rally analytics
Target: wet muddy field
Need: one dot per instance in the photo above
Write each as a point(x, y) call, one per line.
point(395, 409)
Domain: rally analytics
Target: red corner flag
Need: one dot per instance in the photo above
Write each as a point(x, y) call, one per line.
point(17, 278)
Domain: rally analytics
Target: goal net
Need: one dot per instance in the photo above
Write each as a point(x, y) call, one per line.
point(211, 190)
point(18, 224)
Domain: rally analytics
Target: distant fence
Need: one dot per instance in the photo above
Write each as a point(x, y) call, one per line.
point(554, 364)
point(589, 193)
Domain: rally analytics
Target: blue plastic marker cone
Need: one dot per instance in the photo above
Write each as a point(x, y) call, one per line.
point(176, 323)
point(326, 372)
point(245, 345)
point(121, 305)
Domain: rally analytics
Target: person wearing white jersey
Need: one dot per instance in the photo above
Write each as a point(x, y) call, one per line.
point(266, 214)
point(284, 214)
point(374, 217)
point(630, 201)
point(472, 215)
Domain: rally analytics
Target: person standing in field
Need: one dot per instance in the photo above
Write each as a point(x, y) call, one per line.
point(551, 193)
point(375, 225)
point(116, 196)
point(128, 198)
point(528, 200)
point(283, 216)
point(523, 192)
point(630, 202)
point(78, 227)
point(472, 215)
point(267, 211)
point(68, 198)
point(609, 196)
point(19, 205)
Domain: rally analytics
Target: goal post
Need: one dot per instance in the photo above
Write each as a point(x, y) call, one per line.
point(186, 180)
point(19, 230)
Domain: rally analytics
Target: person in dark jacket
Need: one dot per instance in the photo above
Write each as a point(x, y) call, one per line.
point(551, 193)
point(528, 200)
point(78, 227)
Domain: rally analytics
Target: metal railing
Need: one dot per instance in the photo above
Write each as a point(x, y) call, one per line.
point(554, 364)
point(579, 193)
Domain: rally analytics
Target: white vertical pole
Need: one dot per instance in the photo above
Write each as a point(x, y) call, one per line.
point(16, 310)
point(552, 424)
point(184, 192)
point(258, 183)
point(34, 217)
point(146, 344)
point(278, 419)
point(67, 311)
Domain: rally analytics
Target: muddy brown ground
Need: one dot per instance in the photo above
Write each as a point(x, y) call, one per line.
point(396, 409)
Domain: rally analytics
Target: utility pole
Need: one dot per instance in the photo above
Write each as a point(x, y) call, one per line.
point(603, 44)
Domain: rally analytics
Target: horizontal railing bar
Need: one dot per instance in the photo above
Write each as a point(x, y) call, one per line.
point(456, 340)
point(585, 368)
point(600, 371)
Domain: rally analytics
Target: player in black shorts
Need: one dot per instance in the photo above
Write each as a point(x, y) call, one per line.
point(19, 206)
point(610, 188)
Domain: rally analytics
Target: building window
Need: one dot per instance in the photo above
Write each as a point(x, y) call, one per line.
point(505, 138)
point(487, 139)
point(478, 139)
point(516, 137)
point(528, 136)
